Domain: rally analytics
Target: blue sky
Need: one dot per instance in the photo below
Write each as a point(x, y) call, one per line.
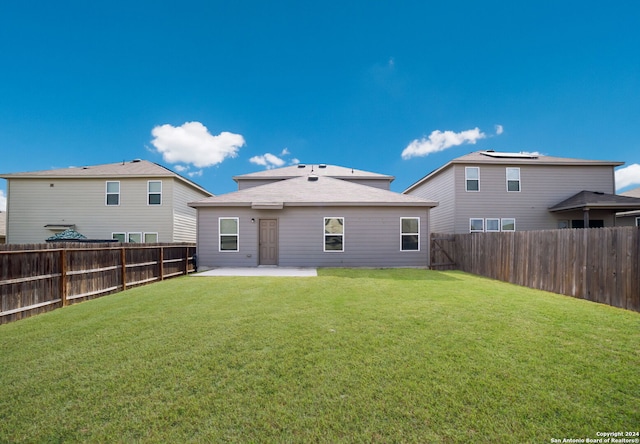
point(217, 88)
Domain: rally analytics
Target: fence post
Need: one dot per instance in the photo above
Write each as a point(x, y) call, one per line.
point(123, 263)
point(186, 261)
point(161, 262)
point(63, 277)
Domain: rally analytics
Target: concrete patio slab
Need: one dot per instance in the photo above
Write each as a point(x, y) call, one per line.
point(260, 271)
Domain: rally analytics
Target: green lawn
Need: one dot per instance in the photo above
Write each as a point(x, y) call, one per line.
point(349, 356)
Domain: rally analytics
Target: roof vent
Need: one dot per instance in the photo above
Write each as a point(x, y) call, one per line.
point(136, 160)
point(312, 178)
point(322, 165)
point(301, 165)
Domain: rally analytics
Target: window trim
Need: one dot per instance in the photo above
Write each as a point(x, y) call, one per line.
point(144, 237)
point(237, 234)
point(129, 234)
point(403, 234)
point(519, 181)
point(466, 179)
point(124, 236)
point(638, 221)
point(107, 193)
point(149, 193)
point(502, 220)
point(471, 230)
point(493, 219)
point(325, 234)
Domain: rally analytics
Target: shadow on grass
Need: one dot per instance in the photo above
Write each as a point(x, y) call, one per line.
point(402, 274)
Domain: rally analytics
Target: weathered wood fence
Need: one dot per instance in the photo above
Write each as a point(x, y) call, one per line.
point(48, 276)
point(597, 264)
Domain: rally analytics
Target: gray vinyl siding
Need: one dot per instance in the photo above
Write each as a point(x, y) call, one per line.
point(184, 217)
point(441, 190)
point(371, 237)
point(34, 203)
point(541, 187)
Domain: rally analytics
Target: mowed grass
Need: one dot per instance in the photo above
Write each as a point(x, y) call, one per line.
point(349, 356)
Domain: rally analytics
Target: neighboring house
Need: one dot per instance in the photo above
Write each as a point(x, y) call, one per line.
point(629, 218)
point(493, 191)
point(136, 201)
point(319, 216)
point(3, 227)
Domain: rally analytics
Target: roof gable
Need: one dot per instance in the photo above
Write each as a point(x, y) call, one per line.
point(302, 169)
point(592, 199)
point(133, 169)
point(312, 190)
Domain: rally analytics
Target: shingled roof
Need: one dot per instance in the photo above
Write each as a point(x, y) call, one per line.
point(321, 169)
point(597, 200)
point(312, 190)
point(133, 169)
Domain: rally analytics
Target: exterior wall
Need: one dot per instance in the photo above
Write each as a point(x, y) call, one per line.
point(541, 187)
point(34, 203)
point(184, 217)
point(371, 237)
point(441, 190)
point(383, 184)
point(628, 221)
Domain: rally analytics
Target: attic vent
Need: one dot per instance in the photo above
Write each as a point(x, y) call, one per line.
point(312, 178)
point(301, 165)
point(322, 165)
point(136, 160)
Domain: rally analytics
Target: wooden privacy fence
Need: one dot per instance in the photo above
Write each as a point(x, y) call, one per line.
point(50, 276)
point(597, 264)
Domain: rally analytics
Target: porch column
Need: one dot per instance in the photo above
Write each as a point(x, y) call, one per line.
point(585, 212)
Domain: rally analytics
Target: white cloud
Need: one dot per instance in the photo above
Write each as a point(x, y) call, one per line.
point(294, 161)
point(181, 168)
point(195, 173)
point(627, 176)
point(440, 141)
point(267, 160)
point(3, 201)
point(191, 143)
point(499, 129)
point(285, 152)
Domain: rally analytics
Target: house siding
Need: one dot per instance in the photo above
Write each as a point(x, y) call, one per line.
point(184, 217)
point(35, 203)
point(542, 186)
point(371, 237)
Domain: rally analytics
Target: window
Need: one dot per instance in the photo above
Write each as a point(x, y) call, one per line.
point(120, 237)
point(476, 225)
point(113, 193)
point(150, 238)
point(334, 234)
point(472, 178)
point(492, 224)
point(508, 224)
point(135, 238)
point(154, 192)
point(637, 221)
point(410, 233)
point(513, 179)
point(228, 237)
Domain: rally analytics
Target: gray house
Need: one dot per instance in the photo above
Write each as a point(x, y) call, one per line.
point(629, 218)
point(494, 191)
point(137, 201)
point(321, 216)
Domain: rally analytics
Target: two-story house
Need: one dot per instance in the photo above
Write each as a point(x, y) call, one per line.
point(489, 191)
point(315, 216)
point(136, 201)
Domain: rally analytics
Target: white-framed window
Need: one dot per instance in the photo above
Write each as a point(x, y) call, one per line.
point(150, 238)
point(472, 178)
point(120, 237)
point(229, 234)
point(508, 224)
point(513, 179)
point(134, 238)
point(476, 225)
point(112, 193)
point(334, 234)
point(154, 192)
point(637, 221)
point(492, 224)
point(409, 234)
